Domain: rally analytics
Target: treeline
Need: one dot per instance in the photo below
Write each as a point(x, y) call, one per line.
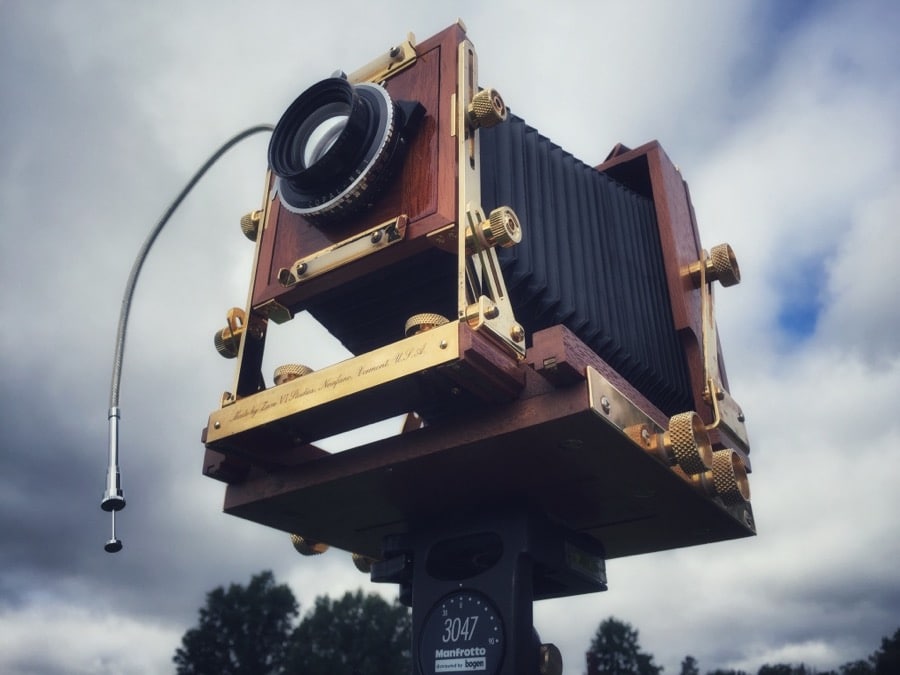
point(253, 630)
point(256, 630)
point(615, 650)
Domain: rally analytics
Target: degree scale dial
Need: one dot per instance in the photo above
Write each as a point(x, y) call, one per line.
point(463, 633)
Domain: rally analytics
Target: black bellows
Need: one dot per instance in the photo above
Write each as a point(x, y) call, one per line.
point(590, 258)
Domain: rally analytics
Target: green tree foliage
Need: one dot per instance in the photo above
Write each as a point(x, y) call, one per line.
point(615, 651)
point(689, 666)
point(356, 635)
point(242, 630)
point(887, 658)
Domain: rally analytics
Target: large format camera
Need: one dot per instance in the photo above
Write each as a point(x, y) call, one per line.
point(547, 326)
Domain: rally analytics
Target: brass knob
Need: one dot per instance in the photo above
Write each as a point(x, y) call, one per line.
point(363, 562)
point(306, 546)
point(228, 340)
point(502, 228)
point(721, 266)
point(687, 444)
point(419, 323)
point(550, 660)
point(290, 371)
point(250, 223)
point(729, 477)
point(487, 109)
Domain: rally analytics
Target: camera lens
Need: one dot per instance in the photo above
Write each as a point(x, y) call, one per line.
point(331, 148)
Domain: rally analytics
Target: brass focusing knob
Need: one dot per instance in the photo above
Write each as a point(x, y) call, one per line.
point(721, 266)
point(363, 562)
point(729, 477)
point(487, 109)
point(502, 228)
point(250, 224)
point(419, 323)
point(306, 546)
point(290, 371)
point(687, 444)
point(228, 340)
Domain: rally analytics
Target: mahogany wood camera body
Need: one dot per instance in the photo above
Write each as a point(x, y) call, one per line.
point(517, 411)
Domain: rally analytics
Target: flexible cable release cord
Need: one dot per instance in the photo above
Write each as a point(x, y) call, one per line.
point(113, 499)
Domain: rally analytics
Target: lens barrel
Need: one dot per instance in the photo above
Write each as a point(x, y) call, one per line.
point(334, 146)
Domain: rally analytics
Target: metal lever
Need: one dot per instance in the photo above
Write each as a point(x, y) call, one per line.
point(113, 500)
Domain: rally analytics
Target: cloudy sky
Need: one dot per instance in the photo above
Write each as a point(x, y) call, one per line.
point(783, 116)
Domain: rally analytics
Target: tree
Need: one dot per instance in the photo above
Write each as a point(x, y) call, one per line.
point(689, 666)
point(857, 668)
point(887, 659)
point(242, 631)
point(356, 635)
point(615, 651)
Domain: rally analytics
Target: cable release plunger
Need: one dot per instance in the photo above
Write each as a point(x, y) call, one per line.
point(113, 500)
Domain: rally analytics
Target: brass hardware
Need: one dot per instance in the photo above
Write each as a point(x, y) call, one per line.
point(720, 265)
point(340, 380)
point(502, 228)
point(228, 340)
point(479, 312)
point(727, 479)
point(486, 109)
point(290, 371)
point(275, 311)
point(390, 63)
point(550, 660)
point(726, 412)
point(517, 333)
point(614, 406)
point(418, 323)
point(480, 279)
point(250, 223)
point(363, 562)
point(346, 251)
point(306, 546)
point(687, 444)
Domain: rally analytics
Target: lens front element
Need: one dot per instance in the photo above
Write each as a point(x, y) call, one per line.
point(332, 149)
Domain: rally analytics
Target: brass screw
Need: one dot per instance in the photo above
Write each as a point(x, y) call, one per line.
point(285, 277)
point(517, 333)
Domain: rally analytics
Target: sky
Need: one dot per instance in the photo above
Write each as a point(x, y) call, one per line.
point(782, 116)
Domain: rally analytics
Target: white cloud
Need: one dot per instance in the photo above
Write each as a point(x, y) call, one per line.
point(50, 637)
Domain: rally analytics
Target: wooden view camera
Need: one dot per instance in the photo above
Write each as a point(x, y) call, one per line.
point(547, 326)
